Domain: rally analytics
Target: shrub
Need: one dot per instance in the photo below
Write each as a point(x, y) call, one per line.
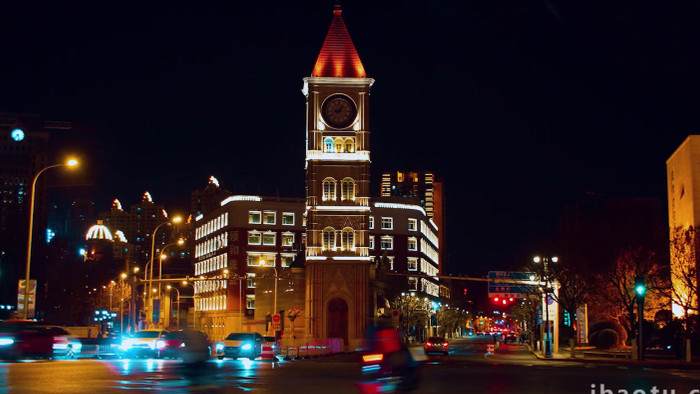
point(607, 338)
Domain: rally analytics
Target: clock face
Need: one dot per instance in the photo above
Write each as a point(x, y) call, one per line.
point(17, 134)
point(338, 111)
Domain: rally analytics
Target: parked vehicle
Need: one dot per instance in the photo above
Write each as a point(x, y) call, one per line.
point(243, 344)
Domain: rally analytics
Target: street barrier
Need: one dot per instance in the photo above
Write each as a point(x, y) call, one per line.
point(489, 350)
point(268, 353)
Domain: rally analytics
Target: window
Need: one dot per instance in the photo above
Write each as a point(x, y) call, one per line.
point(269, 238)
point(371, 222)
point(391, 263)
point(328, 145)
point(339, 145)
point(349, 145)
point(412, 264)
point(387, 223)
point(328, 238)
point(254, 217)
point(387, 243)
point(253, 238)
point(269, 217)
point(250, 301)
point(287, 260)
point(412, 284)
point(329, 189)
point(250, 281)
point(348, 238)
point(288, 218)
point(412, 243)
point(412, 225)
point(288, 239)
point(348, 189)
point(371, 241)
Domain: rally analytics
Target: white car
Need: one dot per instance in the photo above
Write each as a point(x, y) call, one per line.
point(142, 344)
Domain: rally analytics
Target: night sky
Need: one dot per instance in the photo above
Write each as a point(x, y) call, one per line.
point(521, 106)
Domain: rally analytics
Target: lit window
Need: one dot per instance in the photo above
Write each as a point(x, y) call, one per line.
point(348, 238)
point(349, 145)
point(412, 264)
point(250, 282)
point(288, 218)
point(412, 243)
point(387, 223)
point(412, 284)
point(371, 222)
point(253, 238)
point(269, 217)
point(254, 217)
point(387, 243)
point(391, 263)
point(269, 238)
point(288, 239)
point(339, 145)
point(412, 225)
point(267, 260)
point(348, 189)
point(329, 189)
point(328, 238)
point(287, 260)
point(328, 145)
point(250, 301)
point(371, 241)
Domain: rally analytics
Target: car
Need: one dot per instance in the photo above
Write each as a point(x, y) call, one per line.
point(25, 338)
point(187, 345)
point(510, 338)
point(240, 344)
point(64, 344)
point(142, 344)
point(436, 345)
point(272, 341)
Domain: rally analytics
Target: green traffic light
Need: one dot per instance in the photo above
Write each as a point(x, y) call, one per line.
point(640, 290)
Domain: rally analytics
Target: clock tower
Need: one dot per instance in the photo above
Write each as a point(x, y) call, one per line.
point(338, 302)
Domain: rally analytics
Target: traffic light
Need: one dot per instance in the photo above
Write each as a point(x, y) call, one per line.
point(639, 287)
point(567, 318)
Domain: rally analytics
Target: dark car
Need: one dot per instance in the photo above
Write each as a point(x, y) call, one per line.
point(64, 344)
point(241, 344)
point(25, 338)
point(188, 345)
point(272, 341)
point(436, 345)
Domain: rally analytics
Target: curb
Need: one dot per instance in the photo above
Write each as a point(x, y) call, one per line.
point(650, 364)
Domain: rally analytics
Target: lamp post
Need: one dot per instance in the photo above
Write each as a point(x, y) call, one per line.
point(274, 307)
point(548, 330)
point(177, 311)
point(69, 163)
point(121, 305)
point(161, 257)
point(194, 301)
point(176, 219)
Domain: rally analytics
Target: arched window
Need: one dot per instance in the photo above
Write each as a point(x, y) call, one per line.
point(328, 238)
point(339, 145)
point(348, 238)
point(348, 189)
point(328, 145)
point(349, 145)
point(329, 189)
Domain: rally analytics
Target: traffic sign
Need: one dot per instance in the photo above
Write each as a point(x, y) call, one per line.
point(513, 285)
point(276, 322)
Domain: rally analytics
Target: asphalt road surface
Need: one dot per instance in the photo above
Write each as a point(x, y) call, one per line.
point(465, 370)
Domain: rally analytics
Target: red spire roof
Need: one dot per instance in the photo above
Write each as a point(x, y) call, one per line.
point(338, 57)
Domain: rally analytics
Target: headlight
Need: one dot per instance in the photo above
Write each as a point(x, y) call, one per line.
point(126, 344)
point(160, 344)
point(247, 346)
point(219, 347)
point(152, 345)
point(182, 344)
point(6, 341)
point(77, 345)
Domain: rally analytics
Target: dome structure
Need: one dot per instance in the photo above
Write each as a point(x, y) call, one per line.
point(99, 231)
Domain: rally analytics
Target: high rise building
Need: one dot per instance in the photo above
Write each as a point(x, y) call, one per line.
point(209, 198)
point(683, 187)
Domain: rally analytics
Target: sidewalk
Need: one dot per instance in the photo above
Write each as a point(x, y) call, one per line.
point(612, 358)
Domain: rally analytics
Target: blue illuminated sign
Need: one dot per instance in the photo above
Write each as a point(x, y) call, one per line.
point(17, 134)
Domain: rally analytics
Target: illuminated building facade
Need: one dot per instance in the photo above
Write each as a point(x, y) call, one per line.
point(207, 199)
point(239, 249)
point(683, 187)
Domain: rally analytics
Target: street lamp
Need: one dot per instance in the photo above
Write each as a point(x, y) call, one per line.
point(176, 219)
point(177, 312)
point(69, 163)
point(547, 290)
point(162, 257)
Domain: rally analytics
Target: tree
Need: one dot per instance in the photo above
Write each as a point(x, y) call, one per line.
point(450, 319)
point(616, 287)
point(413, 312)
point(684, 274)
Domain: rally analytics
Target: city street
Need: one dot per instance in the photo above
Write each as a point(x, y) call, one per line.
point(512, 370)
